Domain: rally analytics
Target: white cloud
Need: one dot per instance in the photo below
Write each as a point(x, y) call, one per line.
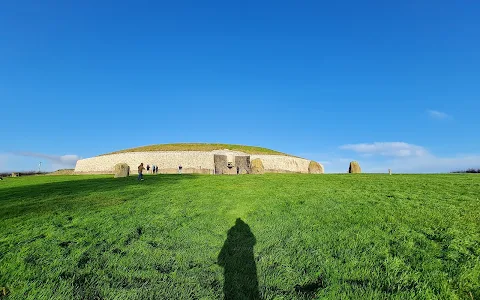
point(414, 164)
point(399, 156)
point(28, 161)
point(393, 149)
point(67, 159)
point(429, 164)
point(3, 161)
point(438, 114)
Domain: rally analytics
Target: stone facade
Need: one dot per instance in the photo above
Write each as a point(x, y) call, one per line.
point(192, 162)
point(282, 164)
point(167, 162)
point(220, 162)
point(242, 164)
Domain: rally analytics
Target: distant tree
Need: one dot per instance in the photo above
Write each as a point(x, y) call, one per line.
point(24, 173)
point(471, 170)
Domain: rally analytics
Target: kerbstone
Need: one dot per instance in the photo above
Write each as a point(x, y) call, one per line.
point(121, 170)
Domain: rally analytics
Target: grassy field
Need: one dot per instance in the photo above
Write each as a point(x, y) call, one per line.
point(202, 147)
point(274, 236)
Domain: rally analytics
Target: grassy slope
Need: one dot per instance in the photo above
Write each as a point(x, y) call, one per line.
point(202, 147)
point(333, 236)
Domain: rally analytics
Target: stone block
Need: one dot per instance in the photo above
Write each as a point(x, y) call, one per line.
point(315, 168)
point(220, 162)
point(256, 166)
point(354, 167)
point(242, 164)
point(121, 170)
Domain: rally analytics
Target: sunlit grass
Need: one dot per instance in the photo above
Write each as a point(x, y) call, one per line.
point(309, 236)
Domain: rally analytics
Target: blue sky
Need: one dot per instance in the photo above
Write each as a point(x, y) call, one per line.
point(390, 84)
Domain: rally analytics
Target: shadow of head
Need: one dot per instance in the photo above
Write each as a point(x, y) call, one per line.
point(241, 235)
point(237, 259)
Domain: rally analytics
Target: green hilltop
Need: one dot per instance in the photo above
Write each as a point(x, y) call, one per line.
point(201, 147)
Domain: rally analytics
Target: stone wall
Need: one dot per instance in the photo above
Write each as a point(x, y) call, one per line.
point(167, 162)
point(283, 164)
point(191, 161)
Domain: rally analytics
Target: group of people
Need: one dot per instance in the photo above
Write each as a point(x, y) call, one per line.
point(141, 168)
point(154, 169)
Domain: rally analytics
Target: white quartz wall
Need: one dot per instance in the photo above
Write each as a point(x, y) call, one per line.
point(162, 159)
point(191, 160)
point(283, 163)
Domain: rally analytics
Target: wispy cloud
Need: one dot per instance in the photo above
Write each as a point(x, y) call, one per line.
point(3, 161)
point(67, 159)
point(403, 157)
point(27, 161)
point(435, 114)
point(460, 162)
point(428, 164)
point(400, 157)
point(395, 149)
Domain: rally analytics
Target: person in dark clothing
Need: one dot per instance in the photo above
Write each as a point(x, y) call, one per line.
point(148, 168)
point(156, 169)
point(140, 172)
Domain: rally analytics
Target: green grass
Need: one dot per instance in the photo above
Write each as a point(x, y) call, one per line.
point(273, 236)
point(201, 147)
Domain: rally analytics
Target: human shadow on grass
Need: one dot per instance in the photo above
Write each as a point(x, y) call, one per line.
point(240, 270)
point(44, 197)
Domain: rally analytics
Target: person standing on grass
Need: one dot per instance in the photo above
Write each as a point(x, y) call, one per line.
point(140, 172)
point(156, 169)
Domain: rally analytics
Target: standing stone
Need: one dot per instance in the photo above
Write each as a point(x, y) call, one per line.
point(390, 171)
point(354, 167)
point(220, 162)
point(15, 174)
point(257, 166)
point(121, 170)
point(315, 168)
point(243, 164)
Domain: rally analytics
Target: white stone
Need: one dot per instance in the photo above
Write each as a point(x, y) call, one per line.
point(189, 160)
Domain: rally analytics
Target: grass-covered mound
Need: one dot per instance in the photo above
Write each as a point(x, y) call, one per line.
point(202, 147)
point(275, 236)
point(62, 172)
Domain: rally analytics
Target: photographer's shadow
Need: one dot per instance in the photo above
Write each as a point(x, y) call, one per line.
point(240, 270)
